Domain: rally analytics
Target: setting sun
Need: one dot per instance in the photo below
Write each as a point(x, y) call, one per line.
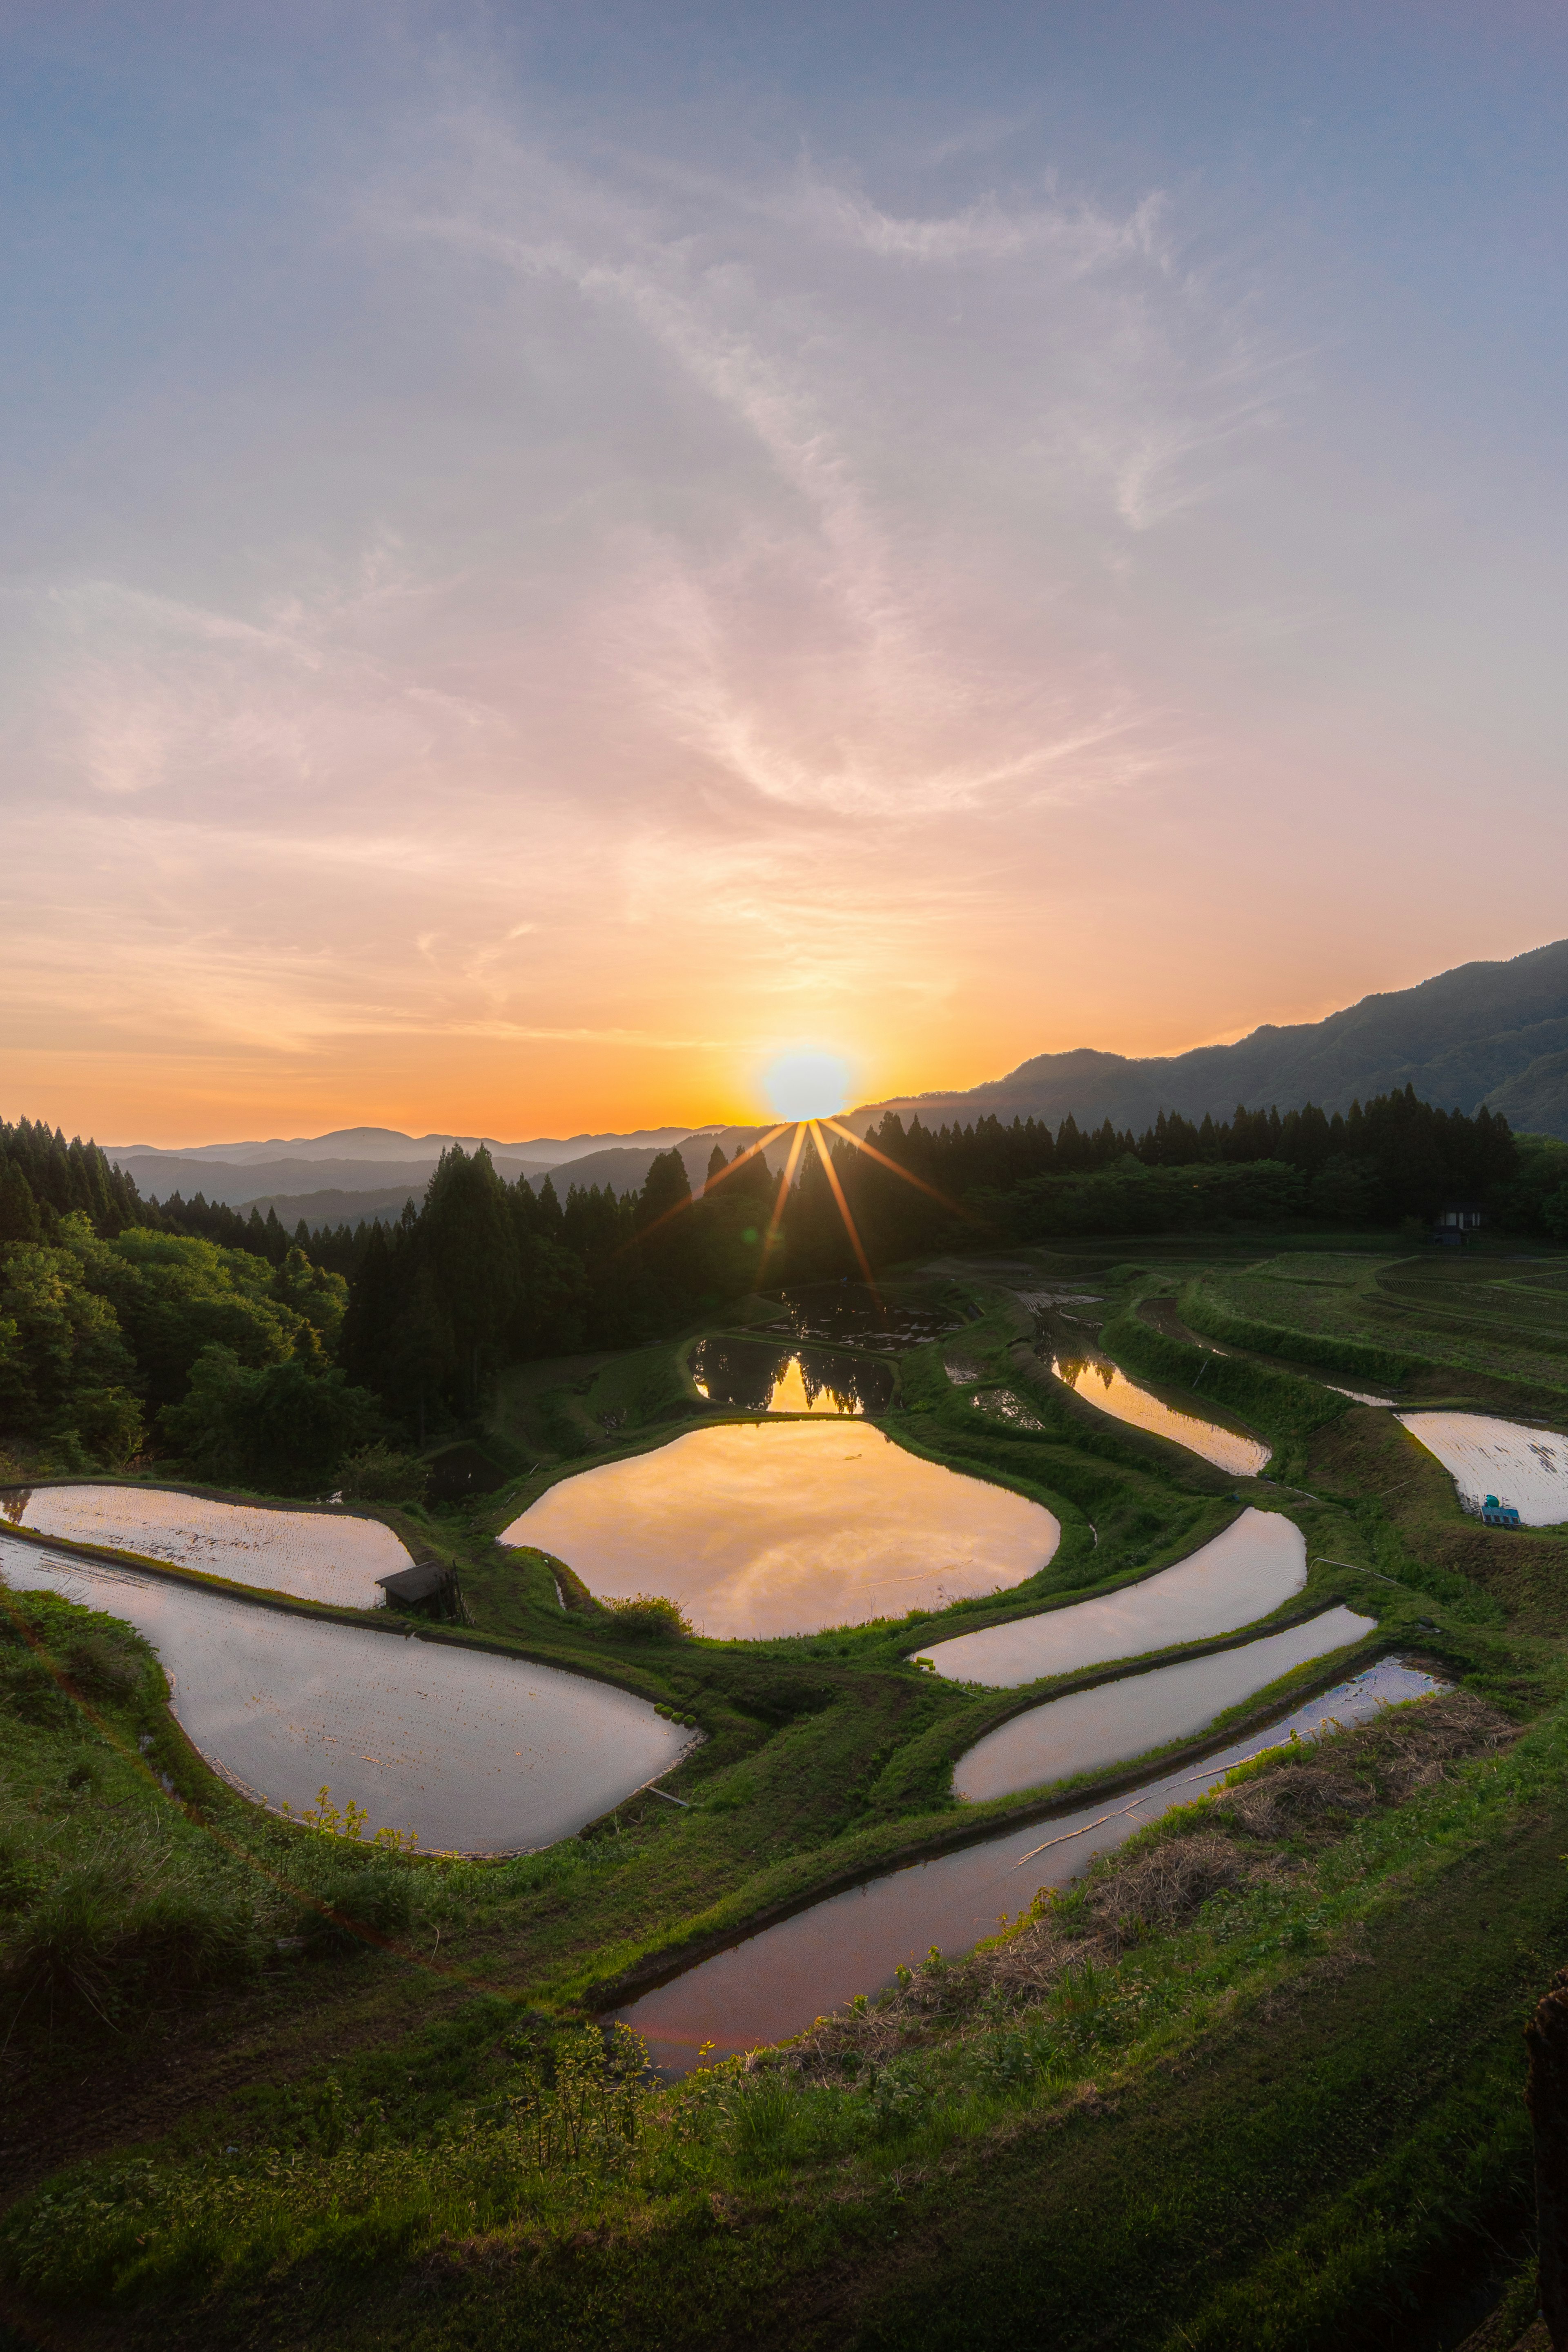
point(807, 1083)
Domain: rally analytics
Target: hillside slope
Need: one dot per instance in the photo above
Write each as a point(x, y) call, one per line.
point(1491, 1032)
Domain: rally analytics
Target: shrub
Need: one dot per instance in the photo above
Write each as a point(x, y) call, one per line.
point(649, 1616)
point(380, 1474)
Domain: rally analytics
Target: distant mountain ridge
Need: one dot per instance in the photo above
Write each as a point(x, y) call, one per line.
point(1484, 1033)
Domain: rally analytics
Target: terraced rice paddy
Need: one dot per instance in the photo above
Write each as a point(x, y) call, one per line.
point(758, 1530)
point(472, 1753)
point(753, 1377)
point(311, 1555)
point(1104, 1385)
point(1526, 1467)
point(1088, 1731)
point(774, 1983)
point(1251, 1567)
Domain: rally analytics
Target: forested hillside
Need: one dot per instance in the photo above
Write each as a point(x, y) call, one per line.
point(217, 1343)
point(1485, 1034)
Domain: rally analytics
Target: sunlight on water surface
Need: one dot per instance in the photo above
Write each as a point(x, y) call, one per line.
point(1088, 1729)
point(1243, 1573)
point(1106, 1387)
point(760, 1529)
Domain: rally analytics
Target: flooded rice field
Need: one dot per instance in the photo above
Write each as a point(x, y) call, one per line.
point(473, 1753)
point(753, 1377)
point(1359, 1396)
point(760, 1529)
point(1104, 1385)
point(312, 1555)
point(1002, 1405)
point(778, 1981)
point(1523, 1466)
point(1241, 1574)
point(853, 1311)
point(1089, 1729)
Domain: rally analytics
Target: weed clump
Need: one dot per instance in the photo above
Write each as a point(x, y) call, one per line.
point(649, 1617)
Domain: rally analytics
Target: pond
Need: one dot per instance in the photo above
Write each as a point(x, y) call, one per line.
point(775, 1982)
point(1241, 1574)
point(476, 1753)
point(312, 1555)
point(1106, 1386)
point(753, 1377)
point(763, 1528)
point(1527, 1468)
point(1089, 1729)
point(852, 1310)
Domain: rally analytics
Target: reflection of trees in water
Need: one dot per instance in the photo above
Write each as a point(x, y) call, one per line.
point(741, 1373)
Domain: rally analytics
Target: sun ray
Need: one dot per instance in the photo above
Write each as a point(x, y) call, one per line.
point(910, 1178)
point(692, 1198)
point(831, 1173)
point(786, 1181)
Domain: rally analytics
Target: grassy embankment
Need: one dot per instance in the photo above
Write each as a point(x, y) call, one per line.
point(826, 1755)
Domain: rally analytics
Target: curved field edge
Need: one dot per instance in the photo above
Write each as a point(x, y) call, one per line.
point(1283, 2120)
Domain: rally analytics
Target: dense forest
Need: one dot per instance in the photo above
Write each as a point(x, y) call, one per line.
point(217, 1341)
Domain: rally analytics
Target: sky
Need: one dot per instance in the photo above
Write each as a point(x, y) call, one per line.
point(549, 557)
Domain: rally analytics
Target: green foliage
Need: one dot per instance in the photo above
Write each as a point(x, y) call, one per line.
point(1206, 1314)
point(280, 1427)
point(380, 1473)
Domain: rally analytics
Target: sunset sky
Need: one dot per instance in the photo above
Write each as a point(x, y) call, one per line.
point(552, 554)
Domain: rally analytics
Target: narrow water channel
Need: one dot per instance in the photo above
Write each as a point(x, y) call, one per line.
point(775, 1982)
point(1088, 1730)
point(1241, 1574)
point(1106, 1386)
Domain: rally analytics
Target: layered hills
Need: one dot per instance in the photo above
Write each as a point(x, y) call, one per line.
point(1484, 1033)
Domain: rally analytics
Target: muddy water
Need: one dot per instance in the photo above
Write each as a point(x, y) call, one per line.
point(1526, 1467)
point(754, 1378)
point(1241, 1574)
point(777, 1981)
point(1104, 1385)
point(475, 1753)
point(1089, 1730)
point(765, 1528)
point(313, 1555)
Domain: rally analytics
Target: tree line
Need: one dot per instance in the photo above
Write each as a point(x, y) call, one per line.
point(257, 1361)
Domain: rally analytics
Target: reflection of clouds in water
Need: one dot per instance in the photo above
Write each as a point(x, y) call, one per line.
point(765, 1528)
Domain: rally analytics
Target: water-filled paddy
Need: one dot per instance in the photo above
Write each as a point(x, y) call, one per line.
point(753, 1377)
point(1241, 1574)
point(850, 1310)
point(476, 1753)
point(1089, 1729)
point(1104, 1385)
point(759, 1529)
point(1526, 1467)
point(777, 1981)
point(313, 1555)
